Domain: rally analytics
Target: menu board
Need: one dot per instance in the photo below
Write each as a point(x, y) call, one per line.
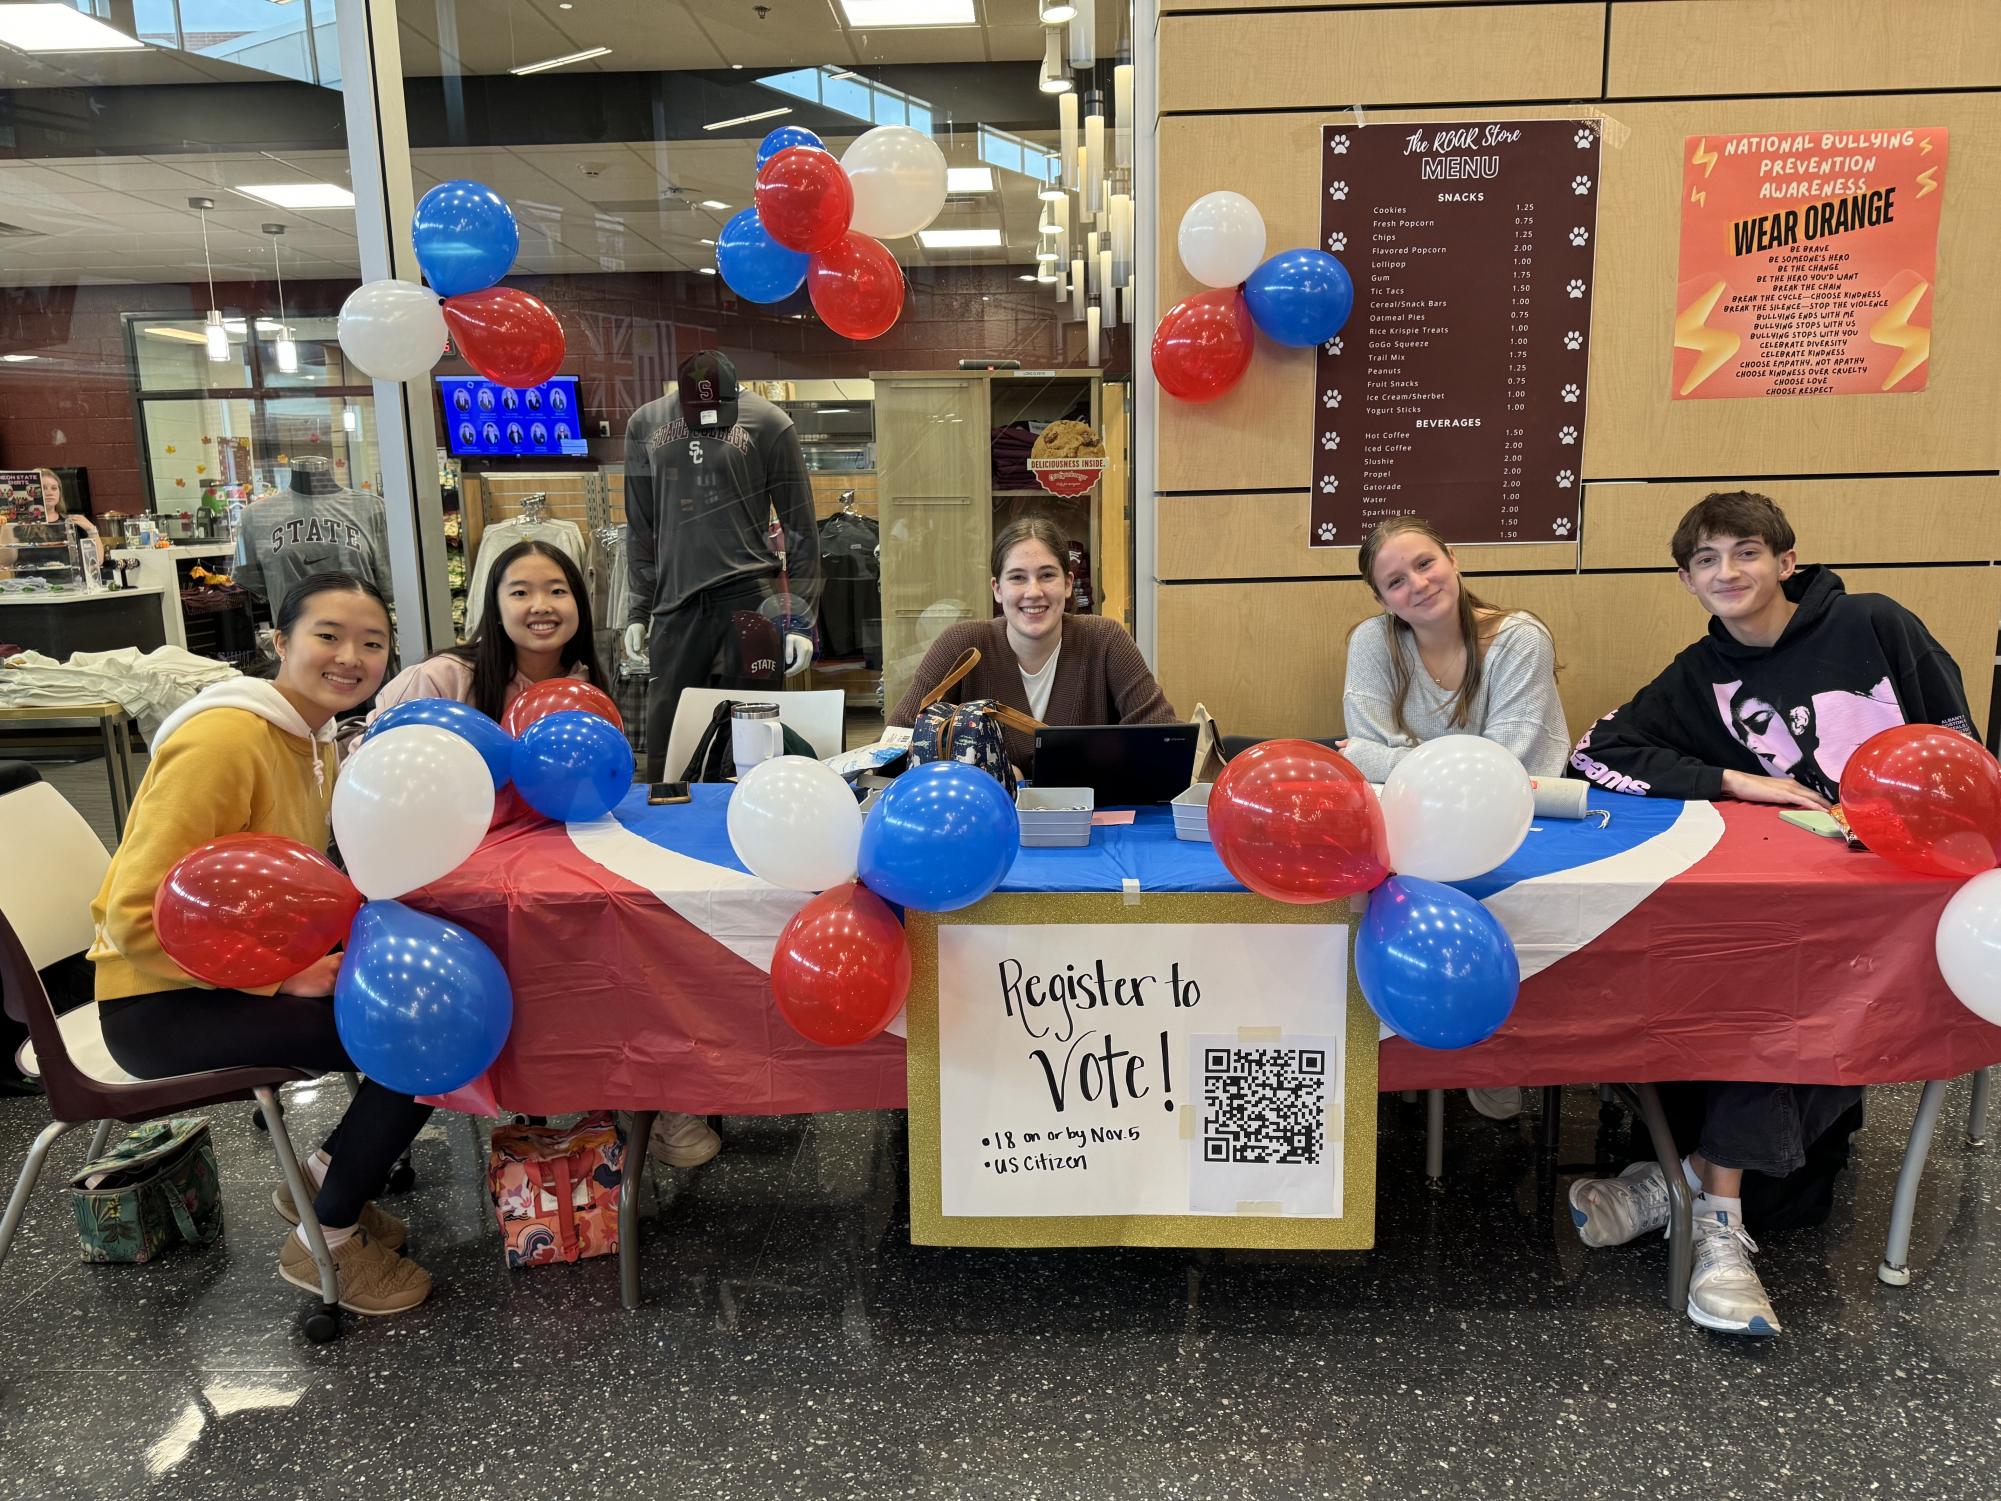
point(1456, 391)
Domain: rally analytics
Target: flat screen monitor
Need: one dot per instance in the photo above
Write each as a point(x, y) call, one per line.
point(486, 420)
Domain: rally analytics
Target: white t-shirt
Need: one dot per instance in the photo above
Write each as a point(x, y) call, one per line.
point(1037, 684)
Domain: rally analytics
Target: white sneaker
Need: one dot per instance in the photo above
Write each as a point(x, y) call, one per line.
point(1725, 1293)
point(682, 1140)
point(1612, 1211)
point(1502, 1104)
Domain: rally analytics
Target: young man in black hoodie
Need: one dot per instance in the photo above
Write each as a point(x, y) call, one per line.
point(1793, 674)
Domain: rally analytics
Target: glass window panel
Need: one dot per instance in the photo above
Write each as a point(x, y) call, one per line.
point(848, 95)
point(173, 356)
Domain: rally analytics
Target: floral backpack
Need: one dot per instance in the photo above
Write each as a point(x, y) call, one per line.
point(967, 732)
point(555, 1189)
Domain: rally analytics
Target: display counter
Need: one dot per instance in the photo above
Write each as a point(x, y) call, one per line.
point(157, 571)
point(59, 624)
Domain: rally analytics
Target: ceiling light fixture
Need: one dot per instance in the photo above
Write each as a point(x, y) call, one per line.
point(59, 28)
point(288, 352)
point(17, 359)
point(184, 335)
point(300, 195)
point(1056, 12)
point(717, 204)
point(1055, 75)
point(969, 179)
point(705, 242)
point(707, 270)
point(214, 335)
point(959, 239)
point(868, 14)
point(763, 114)
point(559, 62)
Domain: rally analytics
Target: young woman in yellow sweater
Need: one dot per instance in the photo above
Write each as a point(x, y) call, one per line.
point(251, 756)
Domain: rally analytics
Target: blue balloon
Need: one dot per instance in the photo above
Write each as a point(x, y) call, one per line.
point(1300, 297)
point(784, 139)
point(493, 743)
point(939, 838)
point(465, 236)
point(1437, 967)
point(421, 1005)
point(757, 267)
point(572, 766)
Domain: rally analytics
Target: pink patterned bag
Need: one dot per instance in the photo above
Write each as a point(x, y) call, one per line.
point(555, 1189)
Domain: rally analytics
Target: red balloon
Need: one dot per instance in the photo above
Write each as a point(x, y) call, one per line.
point(856, 287)
point(804, 199)
point(1297, 822)
point(1203, 346)
point(252, 909)
point(552, 697)
point(506, 335)
point(1926, 798)
point(842, 967)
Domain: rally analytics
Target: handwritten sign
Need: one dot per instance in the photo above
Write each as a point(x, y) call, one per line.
point(1145, 1073)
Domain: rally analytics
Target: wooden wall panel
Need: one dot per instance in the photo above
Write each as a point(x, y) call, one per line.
point(1264, 536)
point(1802, 46)
point(1379, 55)
point(1270, 658)
point(1931, 519)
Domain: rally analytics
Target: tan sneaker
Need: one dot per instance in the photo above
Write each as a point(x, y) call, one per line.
point(373, 1279)
point(383, 1227)
point(682, 1140)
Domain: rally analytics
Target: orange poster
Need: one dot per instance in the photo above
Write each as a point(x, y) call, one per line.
point(1808, 263)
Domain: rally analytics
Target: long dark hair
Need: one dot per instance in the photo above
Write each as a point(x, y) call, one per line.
point(490, 653)
point(1478, 621)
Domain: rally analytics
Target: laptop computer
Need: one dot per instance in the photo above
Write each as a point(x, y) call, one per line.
point(1126, 765)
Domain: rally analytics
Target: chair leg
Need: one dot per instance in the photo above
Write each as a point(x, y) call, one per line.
point(1976, 1118)
point(1681, 1203)
point(353, 1083)
point(302, 1198)
point(1434, 1135)
point(628, 1207)
point(1895, 1268)
point(99, 1140)
point(31, 1170)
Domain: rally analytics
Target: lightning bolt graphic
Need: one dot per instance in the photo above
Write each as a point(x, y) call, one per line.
point(1925, 146)
point(1701, 199)
point(1929, 177)
point(1705, 158)
point(1713, 346)
point(1895, 329)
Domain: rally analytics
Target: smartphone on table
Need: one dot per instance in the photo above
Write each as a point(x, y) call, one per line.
point(667, 792)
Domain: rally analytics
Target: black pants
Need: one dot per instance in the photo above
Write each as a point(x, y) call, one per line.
point(1767, 1128)
point(188, 1031)
point(681, 651)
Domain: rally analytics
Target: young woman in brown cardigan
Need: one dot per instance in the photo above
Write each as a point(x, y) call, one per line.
point(1060, 669)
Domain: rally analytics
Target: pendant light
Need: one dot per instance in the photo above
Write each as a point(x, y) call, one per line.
point(1056, 12)
point(214, 335)
point(1055, 76)
point(288, 352)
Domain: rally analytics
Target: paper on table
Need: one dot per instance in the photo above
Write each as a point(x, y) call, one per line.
point(1109, 816)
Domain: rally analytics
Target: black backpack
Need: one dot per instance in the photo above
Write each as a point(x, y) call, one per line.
point(714, 759)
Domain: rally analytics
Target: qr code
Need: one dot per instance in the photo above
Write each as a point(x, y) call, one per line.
point(1264, 1105)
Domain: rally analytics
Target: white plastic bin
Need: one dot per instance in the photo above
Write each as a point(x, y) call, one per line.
point(1055, 817)
point(1191, 813)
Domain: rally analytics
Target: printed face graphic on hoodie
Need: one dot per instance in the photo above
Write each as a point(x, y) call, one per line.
point(1809, 740)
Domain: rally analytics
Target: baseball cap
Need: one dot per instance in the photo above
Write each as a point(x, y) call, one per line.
point(707, 386)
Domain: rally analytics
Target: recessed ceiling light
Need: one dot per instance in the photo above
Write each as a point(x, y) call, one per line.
point(708, 270)
point(714, 203)
point(1030, 277)
point(559, 62)
point(867, 13)
point(58, 28)
point(1056, 12)
point(959, 239)
point(969, 179)
point(565, 5)
point(18, 359)
point(763, 114)
point(184, 335)
point(705, 242)
point(736, 67)
point(300, 195)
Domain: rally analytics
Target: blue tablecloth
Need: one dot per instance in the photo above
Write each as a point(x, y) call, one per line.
point(1147, 851)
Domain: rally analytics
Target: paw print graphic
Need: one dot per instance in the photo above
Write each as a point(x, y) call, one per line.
point(1580, 236)
point(1338, 145)
point(1330, 441)
point(1338, 191)
point(1337, 242)
point(1560, 526)
point(1330, 399)
point(1329, 484)
point(1566, 435)
point(1326, 531)
point(1576, 287)
point(1580, 185)
point(1565, 479)
point(1574, 339)
point(1332, 346)
point(1571, 393)
point(1585, 137)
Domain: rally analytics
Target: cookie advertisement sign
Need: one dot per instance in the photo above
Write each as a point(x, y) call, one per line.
point(1809, 263)
point(1068, 458)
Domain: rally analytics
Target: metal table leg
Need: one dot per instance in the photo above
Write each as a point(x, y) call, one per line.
point(1976, 1118)
point(1895, 1267)
point(1645, 1101)
point(1552, 1119)
point(118, 804)
point(1434, 1135)
point(628, 1207)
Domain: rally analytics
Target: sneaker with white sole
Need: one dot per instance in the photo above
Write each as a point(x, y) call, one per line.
point(373, 1279)
point(682, 1140)
point(1502, 1104)
point(1724, 1293)
point(1612, 1211)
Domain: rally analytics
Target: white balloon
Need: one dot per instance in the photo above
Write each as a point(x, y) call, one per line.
point(410, 805)
point(1968, 945)
point(1222, 239)
point(1455, 808)
point(796, 824)
point(899, 180)
point(393, 330)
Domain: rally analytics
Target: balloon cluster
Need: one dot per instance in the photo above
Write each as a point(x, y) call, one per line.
point(940, 837)
point(421, 1004)
point(466, 238)
point(1929, 799)
point(1298, 298)
point(1296, 822)
point(820, 223)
